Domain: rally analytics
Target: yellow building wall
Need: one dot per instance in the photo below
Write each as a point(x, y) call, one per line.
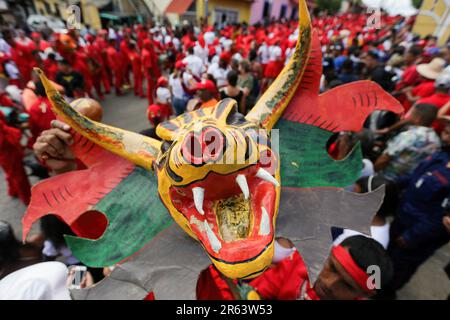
point(426, 25)
point(242, 7)
point(89, 11)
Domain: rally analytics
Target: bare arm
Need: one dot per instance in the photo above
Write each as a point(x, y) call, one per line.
point(382, 162)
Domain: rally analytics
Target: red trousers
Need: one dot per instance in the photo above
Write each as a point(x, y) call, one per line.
point(118, 80)
point(16, 177)
point(138, 80)
point(150, 88)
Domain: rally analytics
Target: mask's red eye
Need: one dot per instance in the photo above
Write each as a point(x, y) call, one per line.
point(199, 148)
point(191, 149)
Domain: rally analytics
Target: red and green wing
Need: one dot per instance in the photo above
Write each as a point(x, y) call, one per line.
point(112, 206)
point(311, 119)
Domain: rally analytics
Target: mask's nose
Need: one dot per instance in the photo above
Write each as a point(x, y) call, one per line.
point(206, 146)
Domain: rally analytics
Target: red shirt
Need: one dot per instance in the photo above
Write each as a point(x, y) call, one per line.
point(438, 99)
point(424, 89)
point(282, 281)
point(113, 58)
point(136, 63)
point(51, 68)
point(5, 100)
point(41, 115)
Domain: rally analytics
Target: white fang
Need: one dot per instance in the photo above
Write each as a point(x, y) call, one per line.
point(263, 174)
point(213, 241)
point(264, 225)
point(199, 194)
point(242, 182)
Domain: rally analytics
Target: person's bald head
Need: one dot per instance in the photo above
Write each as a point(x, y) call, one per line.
point(89, 108)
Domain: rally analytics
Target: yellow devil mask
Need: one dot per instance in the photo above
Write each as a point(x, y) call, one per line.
point(217, 174)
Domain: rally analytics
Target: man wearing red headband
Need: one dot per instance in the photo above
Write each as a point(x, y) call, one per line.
point(344, 275)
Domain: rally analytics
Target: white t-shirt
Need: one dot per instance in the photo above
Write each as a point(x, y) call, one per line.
point(274, 53)
point(163, 95)
point(263, 53)
point(177, 88)
point(50, 250)
point(12, 70)
point(202, 53)
point(209, 37)
point(195, 64)
point(220, 75)
point(42, 281)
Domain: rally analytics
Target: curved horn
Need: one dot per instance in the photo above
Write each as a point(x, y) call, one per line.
point(271, 105)
point(134, 147)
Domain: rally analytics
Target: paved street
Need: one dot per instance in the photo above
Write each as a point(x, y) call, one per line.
point(129, 113)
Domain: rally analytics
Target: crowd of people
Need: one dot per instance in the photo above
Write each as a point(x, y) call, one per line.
point(194, 66)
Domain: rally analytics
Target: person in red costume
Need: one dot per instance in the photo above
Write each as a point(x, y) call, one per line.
point(39, 43)
point(80, 63)
point(125, 57)
point(11, 157)
point(344, 275)
point(149, 67)
point(95, 65)
point(41, 114)
point(136, 66)
point(113, 58)
point(102, 44)
point(21, 56)
point(51, 66)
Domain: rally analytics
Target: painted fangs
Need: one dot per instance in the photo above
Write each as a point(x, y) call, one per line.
point(199, 194)
point(213, 241)
point(263, 174)
point(264, 226)
point(242, 182)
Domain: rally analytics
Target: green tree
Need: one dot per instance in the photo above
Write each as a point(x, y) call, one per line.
point(332, 6)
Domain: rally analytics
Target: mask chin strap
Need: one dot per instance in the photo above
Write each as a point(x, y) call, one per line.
point(369, 183)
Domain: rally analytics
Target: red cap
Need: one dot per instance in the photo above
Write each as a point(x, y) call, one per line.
point(206, 85)
point(225, 56)
point(180, 65)
point(162, 82)
point(35, 35)
point(90, 38)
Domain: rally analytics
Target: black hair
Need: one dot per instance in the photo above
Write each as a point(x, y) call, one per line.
point(54, 230)
point(367, 252)
point(64, 62)
point(246, 66)
point(191, 50)
point(373, 55)
point(9, 245)
point(347, 65)
point(40, 90)
point(391, 196)
point(426, 112)
point(415, 51)
point(232, 78)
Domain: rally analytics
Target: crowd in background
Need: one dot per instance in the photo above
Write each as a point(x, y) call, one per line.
point(183, 68)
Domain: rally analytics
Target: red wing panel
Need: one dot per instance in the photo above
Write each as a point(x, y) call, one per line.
point(72, 194)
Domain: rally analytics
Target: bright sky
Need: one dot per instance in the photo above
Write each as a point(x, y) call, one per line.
point(393, 7)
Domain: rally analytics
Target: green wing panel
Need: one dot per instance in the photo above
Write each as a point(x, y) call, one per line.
point(135, 214)
point(305, 162)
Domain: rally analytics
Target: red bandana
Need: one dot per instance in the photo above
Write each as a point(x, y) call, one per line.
point(346, 260)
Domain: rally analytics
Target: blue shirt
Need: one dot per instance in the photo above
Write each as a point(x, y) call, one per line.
point(426, 201)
